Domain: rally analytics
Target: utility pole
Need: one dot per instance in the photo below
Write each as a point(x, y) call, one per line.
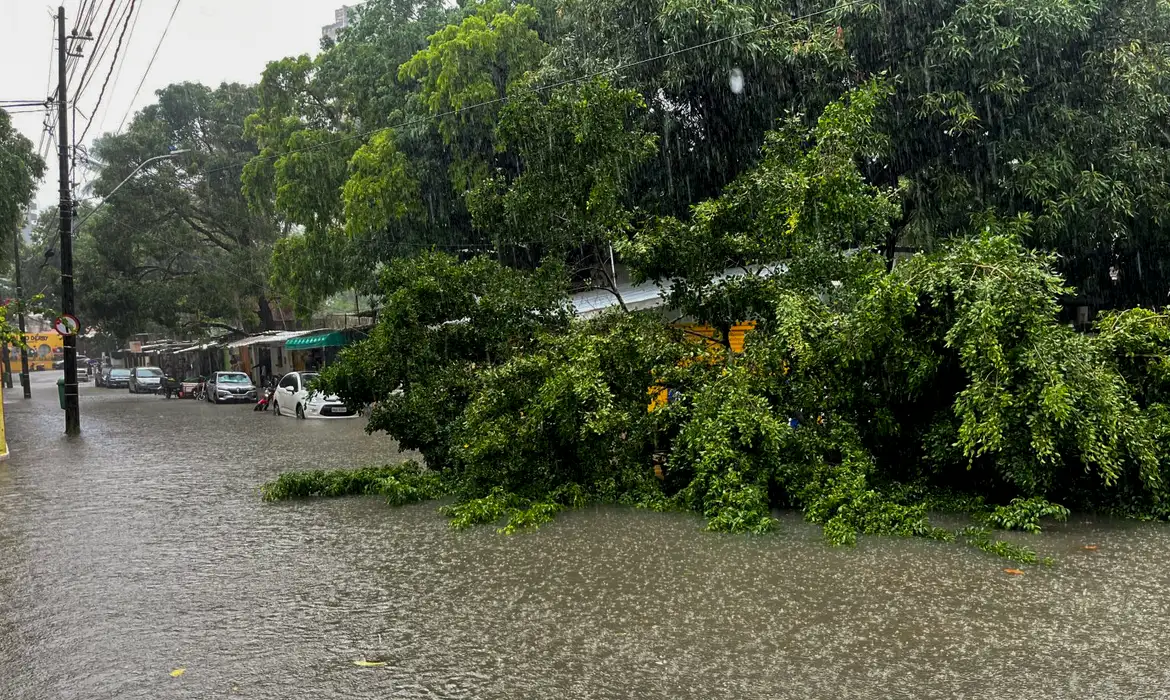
point(65, 209)
point(20, 319)
point(7, 368)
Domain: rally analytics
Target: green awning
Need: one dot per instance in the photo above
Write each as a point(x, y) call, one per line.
point(330, 339)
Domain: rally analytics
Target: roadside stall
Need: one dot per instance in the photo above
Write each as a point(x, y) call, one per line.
point(316, 349)
point(261, 356)
point(195, 363)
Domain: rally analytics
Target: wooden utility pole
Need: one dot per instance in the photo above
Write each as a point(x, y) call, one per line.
point(65, 209)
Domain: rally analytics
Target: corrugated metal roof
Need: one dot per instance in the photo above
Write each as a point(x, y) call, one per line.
point(266, 338)
point(194, 348)
point(639, 297)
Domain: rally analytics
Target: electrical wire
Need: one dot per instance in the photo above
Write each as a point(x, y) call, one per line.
point(93, 57)
point(106, 40)
point(48, 83)
point(550, 86)
point(113, 85)
point(149, 65)
point(117, 50)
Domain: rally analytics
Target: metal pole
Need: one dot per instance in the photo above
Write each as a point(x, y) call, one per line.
point(72, 400)
point(20, 319)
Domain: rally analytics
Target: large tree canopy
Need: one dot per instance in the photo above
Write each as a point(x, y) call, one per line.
point(177, 244)
point(20, 170)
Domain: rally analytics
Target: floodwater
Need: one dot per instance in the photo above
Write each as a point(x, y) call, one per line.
point(143, 548)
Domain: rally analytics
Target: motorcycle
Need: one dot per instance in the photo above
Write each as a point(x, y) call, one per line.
point(171, 387)
point(265, 398)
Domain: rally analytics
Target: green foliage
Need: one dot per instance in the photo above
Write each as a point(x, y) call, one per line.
point(319, 130)
point(400, 484)
point(20, 170)
point(805, 211)
point(475, 62)
point(981, 539)
point(1020, 143)
point(572, 410)
point(577, 152)
point(1024, 514)
point(442, 324)
point(176, 246)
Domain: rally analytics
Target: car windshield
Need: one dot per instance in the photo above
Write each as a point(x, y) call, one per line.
point(235, 378)
point(308, 378)
point(119, 373)
point(149, 372)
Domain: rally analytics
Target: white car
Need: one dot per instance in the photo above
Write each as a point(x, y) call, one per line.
point(294, 397)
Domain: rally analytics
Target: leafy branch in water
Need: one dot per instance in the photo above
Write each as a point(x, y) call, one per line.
point(1025, 513)
point(400, 484)
point(981, 539)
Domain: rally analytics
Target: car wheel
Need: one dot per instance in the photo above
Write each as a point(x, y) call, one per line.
point(275, 407)
point(300, 412)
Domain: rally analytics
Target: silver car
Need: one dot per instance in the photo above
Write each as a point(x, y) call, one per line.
point(145, 380)
point(223, 387)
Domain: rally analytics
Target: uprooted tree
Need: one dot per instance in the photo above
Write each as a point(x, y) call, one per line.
point(866, 396)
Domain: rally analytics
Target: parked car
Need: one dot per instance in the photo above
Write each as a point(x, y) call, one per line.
point(114, 378)
point(84, 370)
point(145, 380)
point(295, 396)
point(230, 386)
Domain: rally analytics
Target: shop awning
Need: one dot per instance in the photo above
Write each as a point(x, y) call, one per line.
point(267, 338)
point(322, 339)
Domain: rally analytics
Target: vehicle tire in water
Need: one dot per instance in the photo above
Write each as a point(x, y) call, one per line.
point(300, 412)
point(275, 408)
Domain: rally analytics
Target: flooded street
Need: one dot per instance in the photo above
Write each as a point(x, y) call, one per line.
point(143, 547)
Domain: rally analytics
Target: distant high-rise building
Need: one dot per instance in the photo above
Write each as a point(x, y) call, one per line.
point(342, 17)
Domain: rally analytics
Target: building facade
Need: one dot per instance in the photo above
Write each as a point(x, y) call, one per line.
point(342, 17)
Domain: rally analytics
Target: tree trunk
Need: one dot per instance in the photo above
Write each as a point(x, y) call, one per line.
point(266, 320)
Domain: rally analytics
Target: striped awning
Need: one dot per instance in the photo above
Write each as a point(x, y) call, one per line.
point(323, 339)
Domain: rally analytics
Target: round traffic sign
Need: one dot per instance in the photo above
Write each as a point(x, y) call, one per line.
point(67, 324)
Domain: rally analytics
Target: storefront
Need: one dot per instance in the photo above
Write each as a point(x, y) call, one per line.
point(316, 349)
point(44, 349)
point(263, 355)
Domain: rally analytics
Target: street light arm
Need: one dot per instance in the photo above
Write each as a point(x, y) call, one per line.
point(134, 172)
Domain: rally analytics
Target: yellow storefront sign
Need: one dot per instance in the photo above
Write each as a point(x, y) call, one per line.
point(44, 348)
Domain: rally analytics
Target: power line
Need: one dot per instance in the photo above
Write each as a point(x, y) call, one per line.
point(118, 71)
point(149, 65)
point(93, 57)
point(114, 84)
point(106, 40)
point(48, 84)
point(117, 50)
point(551, 86)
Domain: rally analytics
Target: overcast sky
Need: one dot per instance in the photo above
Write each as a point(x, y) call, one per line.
point(210, 41)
